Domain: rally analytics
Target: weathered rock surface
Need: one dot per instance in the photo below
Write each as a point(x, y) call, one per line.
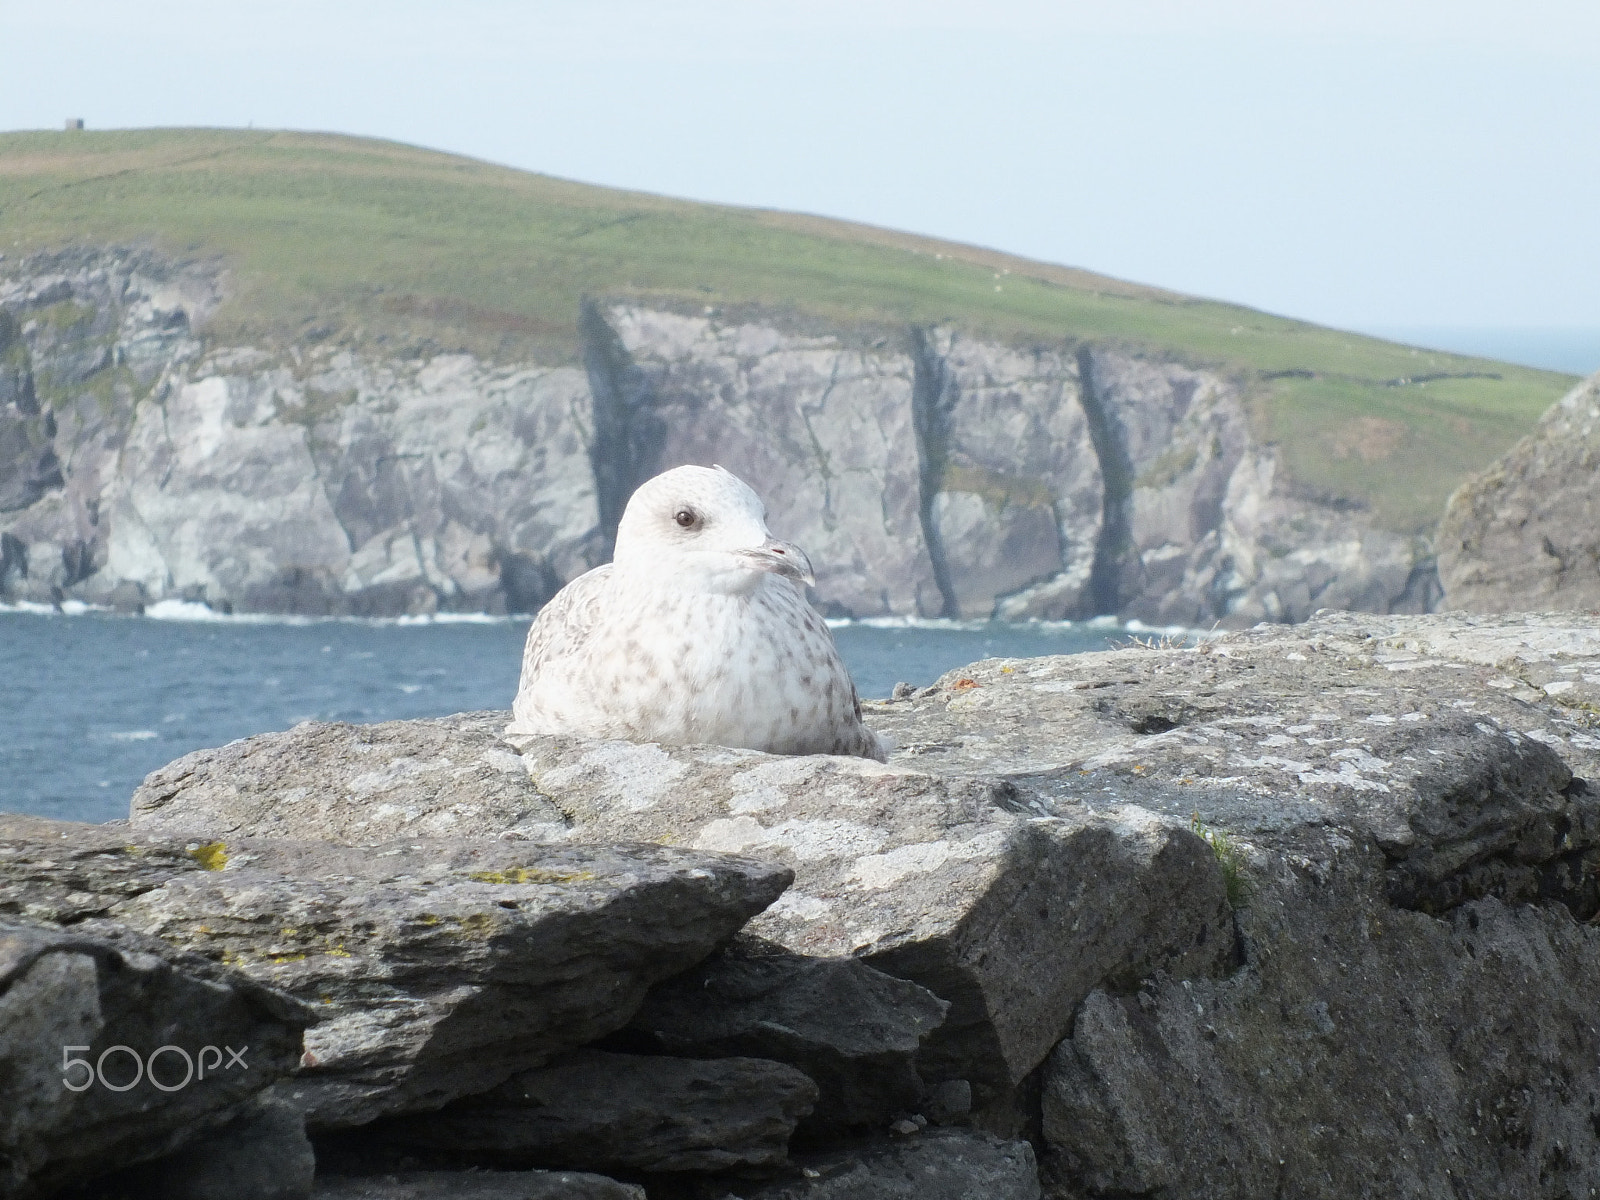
point(1402, 810)
point(1012, 486)
point(854, 1030)
point(75, 1013)
point(1317, 1072)
point(158, 467)
point(1400, 731)
point(477, 1185)
point(929, 473)
point(964, 886)
point(825, 431)
point(439, 968)
point(591, 1110)
point(262, 1154)
point(390, 780)
point(944, 1164)
point(1416, 851)
point(1526, 532)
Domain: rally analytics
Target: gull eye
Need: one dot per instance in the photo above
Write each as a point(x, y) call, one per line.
point(686, 518)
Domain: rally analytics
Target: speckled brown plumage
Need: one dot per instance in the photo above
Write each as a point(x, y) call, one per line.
point(698, 632)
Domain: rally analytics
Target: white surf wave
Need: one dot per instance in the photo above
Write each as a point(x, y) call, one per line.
point(1110, 625)
point(194, 610)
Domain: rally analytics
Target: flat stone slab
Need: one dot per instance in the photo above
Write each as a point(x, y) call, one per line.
point(438, 967)
point(966, 886)
point(592, 1110)
point(476, 1185)
point(943, 1164)
point(854, 1030)
point(428, 778)
point(1451, 742)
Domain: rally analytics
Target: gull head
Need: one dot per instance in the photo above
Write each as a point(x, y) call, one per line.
point(703, 528)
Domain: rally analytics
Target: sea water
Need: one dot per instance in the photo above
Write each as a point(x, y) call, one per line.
point(91, 702)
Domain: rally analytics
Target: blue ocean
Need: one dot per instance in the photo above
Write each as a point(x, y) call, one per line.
point(92, 702)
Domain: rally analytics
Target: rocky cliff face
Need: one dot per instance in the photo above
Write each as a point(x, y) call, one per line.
point(1526, 532)
point(932, 475)
point(1307, 912)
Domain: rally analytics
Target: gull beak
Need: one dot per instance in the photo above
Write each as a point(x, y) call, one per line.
point(782, 558)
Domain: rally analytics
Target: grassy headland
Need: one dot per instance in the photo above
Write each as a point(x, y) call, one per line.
point(392, 246)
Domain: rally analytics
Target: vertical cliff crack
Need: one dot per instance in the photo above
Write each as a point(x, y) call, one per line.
point(933, 399)
point(624, 430)
point(818, 450)
point(1115, 543)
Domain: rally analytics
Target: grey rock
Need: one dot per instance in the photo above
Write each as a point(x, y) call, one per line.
point(65, 995)
point(1404, 807)
point(959, 885)
point(926, 472)
point(262, 1154)
point(1012, 485)
point(824, 431)
point(28, 464)
point(306, 481)
point(1451, 743)
point(438, 967)
point(591, 1110)
point(854, 1030)
point(1201, 523)
point(443, 967)
point(1525, 533)
point(944, 1164)
point(1365, 1050)
point(477, 1185)
point(63, 872)
point(395, 779)
point(947, 1103)
point(1403, 813)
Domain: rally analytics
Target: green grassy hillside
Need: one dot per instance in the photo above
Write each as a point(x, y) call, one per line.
point(388, 245)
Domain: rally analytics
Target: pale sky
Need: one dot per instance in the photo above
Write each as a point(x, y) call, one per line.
point(1358, 163)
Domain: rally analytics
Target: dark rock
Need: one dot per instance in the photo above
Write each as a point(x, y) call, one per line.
point(854, 1030)
point(439, 968)
point(477, 1185)
point(948, 1102)
point(127, 598)
point(75, 1011)
point(1365, 1050)
point(592, 1110)
point(943, 1164)
point(262, 1154)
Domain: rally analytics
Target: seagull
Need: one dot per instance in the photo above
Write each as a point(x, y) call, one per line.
point(697, 632)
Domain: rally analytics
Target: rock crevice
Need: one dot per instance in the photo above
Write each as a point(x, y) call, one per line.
point(933, 396)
